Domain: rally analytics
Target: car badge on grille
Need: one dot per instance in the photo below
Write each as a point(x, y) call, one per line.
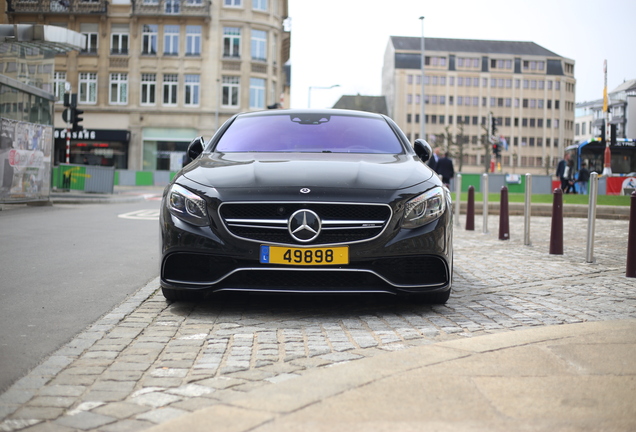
point(305, 190)
point(304, 225)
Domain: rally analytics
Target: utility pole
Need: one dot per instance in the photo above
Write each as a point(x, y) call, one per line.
point(607, 166)
point(423, 97)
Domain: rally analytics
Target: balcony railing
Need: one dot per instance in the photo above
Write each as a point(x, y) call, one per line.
point(62, 7)
point(191, 8)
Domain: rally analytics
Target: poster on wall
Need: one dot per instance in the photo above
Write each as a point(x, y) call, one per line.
point(25, 161)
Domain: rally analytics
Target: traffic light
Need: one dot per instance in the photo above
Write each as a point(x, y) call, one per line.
point(76, 119)
point(493, 126)
point(496, 150)
point(67, 115)
point(67, 100)
point(613, 134)
point(603, 133)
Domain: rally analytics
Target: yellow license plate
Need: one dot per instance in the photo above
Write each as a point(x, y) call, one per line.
point(304, 256)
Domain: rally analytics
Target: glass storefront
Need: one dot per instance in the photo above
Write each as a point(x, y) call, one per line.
point(100, 147)
point(165, 149)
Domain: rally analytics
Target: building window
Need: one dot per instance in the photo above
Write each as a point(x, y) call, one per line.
point(171, 40)
point(192, 90)
point(172, 6)
point(193, 40)
point(231, 42)
point(259, 45)
point(148, 89)
point(233, 3)
point(260, 5)
point(149, 39)
point(119, 38)
point(170, 88)
point(231, 88)
point(118, 90)
point(91, 32)
point(257, 93)
point(59, 86)
point(87, 88)
point(409, 118)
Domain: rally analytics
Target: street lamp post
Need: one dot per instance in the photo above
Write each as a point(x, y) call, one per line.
point(318, 88)
point(422, 99)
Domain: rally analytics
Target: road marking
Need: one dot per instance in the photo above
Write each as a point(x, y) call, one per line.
point(141, 215)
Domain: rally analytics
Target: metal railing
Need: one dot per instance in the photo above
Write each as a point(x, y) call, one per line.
point(191, 8)
point(75, 7)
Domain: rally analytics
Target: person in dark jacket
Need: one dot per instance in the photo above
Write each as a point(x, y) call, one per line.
point(445, 169)
point(561, 172)
point(434, 160)
point(583, 179)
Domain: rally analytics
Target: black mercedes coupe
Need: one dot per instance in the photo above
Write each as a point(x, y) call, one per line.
point(307, 201)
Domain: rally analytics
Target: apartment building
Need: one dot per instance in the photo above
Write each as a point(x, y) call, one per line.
point(529, 90)
point(621, 103)
point(154, 74)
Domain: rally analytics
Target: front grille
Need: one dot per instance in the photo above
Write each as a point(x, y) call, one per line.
point(341, 222)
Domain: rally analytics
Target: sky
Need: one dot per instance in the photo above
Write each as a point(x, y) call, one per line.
point(342, 42)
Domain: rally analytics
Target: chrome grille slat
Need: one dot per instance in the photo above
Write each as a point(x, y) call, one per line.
point(267, 221)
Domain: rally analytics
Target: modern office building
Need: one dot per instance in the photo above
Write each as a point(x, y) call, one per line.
point(529, 90)
point(154, 74)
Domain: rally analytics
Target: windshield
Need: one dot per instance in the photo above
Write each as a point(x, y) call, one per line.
point(310, 133)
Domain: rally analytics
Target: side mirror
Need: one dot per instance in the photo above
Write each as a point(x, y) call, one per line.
point(422, 149)
point(195, 148)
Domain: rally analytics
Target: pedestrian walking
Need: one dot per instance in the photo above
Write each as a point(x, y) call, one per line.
point(445, 169)
point(434, 160)
point(561, 172)
point(583, 178)
point(569, 176)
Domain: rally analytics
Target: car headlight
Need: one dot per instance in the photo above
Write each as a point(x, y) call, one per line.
point(187, 206)
point(424, 208)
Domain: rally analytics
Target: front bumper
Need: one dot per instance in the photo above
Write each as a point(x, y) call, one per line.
point(400, 262)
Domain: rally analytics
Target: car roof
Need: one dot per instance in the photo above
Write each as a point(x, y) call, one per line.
point(339, 112)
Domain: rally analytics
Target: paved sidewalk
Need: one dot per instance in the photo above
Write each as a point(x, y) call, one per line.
point(527, 341)
point(559, 378)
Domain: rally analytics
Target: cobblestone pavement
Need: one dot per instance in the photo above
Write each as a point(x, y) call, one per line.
point(149, 361)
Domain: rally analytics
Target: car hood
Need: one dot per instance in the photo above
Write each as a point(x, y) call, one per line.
point(322, 170)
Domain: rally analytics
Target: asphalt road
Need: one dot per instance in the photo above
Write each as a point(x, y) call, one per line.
point(62, 268)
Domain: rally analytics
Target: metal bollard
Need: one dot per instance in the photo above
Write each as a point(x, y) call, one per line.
point(470, 209)
point(556, 231)
point(527, 211)
point(484, 191)
point(631, 239)
point(458, 195)
point(504, 225)
point(591, 218)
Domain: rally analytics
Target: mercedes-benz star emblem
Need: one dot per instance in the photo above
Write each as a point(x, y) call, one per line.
point(304, 225)
point(305, 190)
